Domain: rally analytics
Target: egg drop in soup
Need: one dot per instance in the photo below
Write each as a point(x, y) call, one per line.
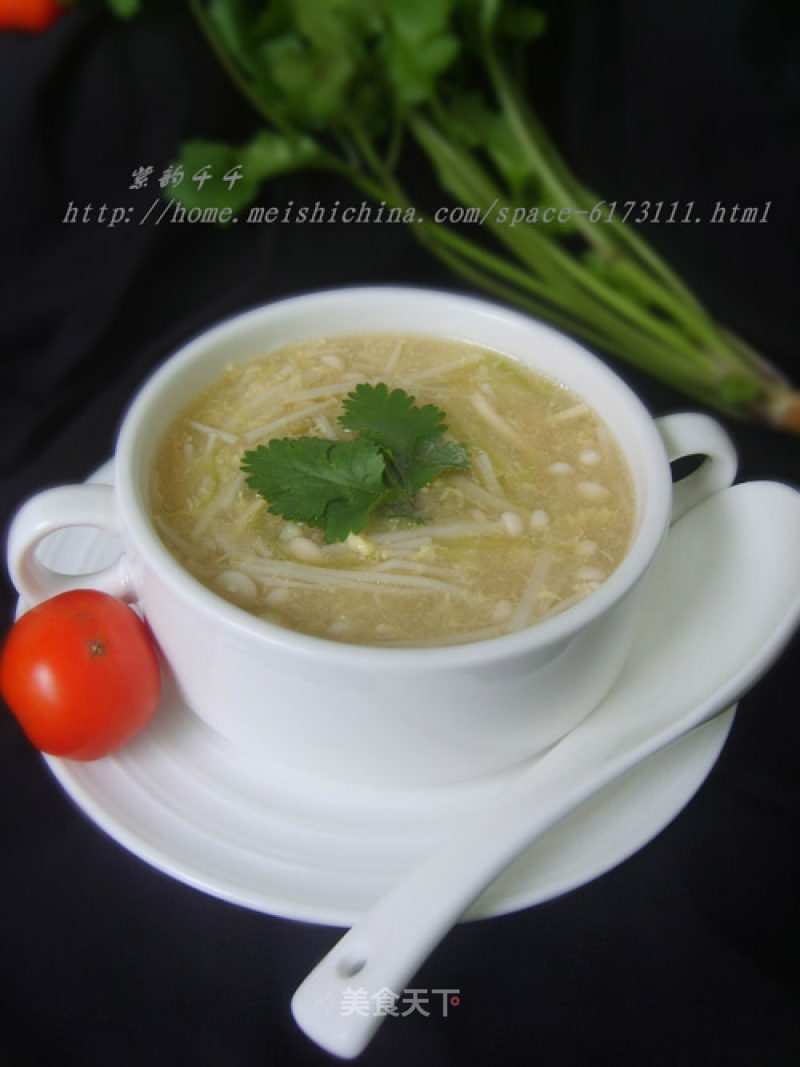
point(541, 516)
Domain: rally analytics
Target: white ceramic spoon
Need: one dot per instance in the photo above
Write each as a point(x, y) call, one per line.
point(742, 547)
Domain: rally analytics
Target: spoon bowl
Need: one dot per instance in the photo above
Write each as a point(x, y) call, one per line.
point(743, 608)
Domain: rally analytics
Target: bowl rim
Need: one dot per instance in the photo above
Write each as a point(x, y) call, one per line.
point(141, 536)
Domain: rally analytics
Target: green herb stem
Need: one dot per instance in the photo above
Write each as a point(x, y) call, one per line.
point(605, 284)
point(535, 141)
point(568, 276)
point(569, 310)
point(544, 162)
point(672, 295)
point(228, 61)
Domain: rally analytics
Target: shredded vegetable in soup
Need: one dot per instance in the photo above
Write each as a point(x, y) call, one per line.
point(528, 509)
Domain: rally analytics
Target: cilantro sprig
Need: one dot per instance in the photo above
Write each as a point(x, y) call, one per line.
point(370, 91)
point(336, 486)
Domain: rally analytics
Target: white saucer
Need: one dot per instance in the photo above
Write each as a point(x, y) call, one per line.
point(188, 802)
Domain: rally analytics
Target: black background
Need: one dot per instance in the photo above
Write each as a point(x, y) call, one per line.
point(685, 954)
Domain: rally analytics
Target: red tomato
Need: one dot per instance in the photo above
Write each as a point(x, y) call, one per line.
point(33, 15)
point(81, 674)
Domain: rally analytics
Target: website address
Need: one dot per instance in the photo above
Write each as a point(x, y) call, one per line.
point(602, 212)
point(161, 212)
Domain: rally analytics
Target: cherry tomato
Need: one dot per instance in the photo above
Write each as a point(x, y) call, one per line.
point(81, 674)
point(35, 15)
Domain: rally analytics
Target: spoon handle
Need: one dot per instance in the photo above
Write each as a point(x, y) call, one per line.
point(743, 607)
point(381, 953)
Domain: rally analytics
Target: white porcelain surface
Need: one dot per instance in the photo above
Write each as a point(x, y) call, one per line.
point(210, 814)
point(407, 717)
point(758, 577)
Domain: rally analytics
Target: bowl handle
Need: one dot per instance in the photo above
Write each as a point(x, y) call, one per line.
point(691, 434)
point(92, 504)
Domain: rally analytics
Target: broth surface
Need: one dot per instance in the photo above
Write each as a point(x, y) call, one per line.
point(541, 517)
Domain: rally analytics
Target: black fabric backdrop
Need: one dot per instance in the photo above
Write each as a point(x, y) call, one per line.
point(685, 954)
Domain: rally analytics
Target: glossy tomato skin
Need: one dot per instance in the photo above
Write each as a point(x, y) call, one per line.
point(81, 674)
point(33, 15)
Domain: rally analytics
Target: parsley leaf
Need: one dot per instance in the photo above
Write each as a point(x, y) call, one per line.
point(332, 485)
point(335, 486)
point(409, 436)
point(433, 457)
point(348, 87)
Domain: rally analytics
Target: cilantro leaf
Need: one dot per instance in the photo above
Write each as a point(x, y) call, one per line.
point(406, 434)
point(235, 172)
point(332, 485)
point(337, 485)
point(435, 457)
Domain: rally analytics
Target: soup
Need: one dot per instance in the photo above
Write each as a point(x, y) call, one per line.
point(540, 516)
